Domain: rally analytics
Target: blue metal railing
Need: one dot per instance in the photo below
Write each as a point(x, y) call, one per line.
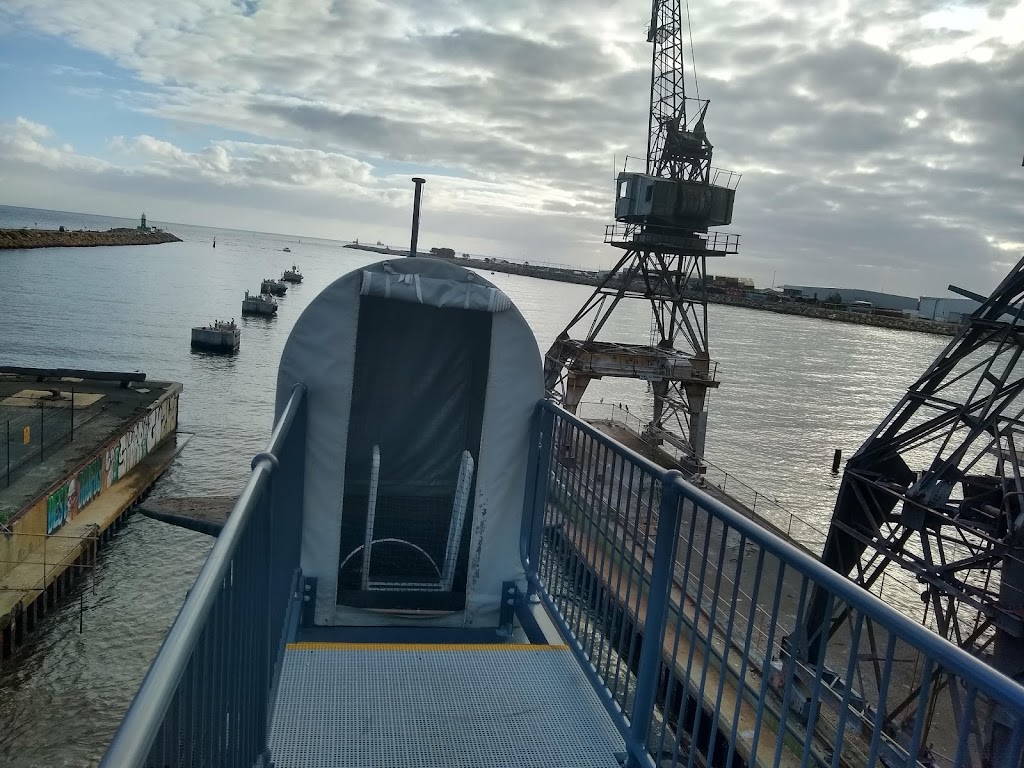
point(685, 614)
point(688, 617)
point(206, 698)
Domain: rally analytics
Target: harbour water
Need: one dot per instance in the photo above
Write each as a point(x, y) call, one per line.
point(793, 390)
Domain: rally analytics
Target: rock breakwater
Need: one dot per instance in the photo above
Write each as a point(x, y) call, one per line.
point(54, 238)
point(586, 277)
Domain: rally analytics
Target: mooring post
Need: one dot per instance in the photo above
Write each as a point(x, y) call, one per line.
point(416, 213)
point(835, 461)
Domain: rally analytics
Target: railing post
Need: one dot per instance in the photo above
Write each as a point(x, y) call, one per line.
point(541, 443)
point(42, 435)
point(657, 611)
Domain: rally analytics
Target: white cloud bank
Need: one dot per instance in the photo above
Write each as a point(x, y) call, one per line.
point(880, 141)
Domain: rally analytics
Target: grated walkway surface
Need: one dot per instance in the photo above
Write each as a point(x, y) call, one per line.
point(449, 706)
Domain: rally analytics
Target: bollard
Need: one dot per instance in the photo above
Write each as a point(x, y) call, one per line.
point(835, 461)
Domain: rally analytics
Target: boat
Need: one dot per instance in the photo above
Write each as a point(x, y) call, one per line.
point(259, 304)
point(219, 336)
point(286, 249)
point(292, 275)
point(273, 287)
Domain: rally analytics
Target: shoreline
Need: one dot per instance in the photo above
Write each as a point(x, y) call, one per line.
point(24, 239)
point(586, 277)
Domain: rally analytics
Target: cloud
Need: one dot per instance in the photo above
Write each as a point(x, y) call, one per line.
point(28, 145)
point(247, 7)
point(64, 69)
point(28, 130)
point(345, 193)
point(243, 164)
point(875, 138)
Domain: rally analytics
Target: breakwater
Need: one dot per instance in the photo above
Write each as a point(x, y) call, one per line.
point(782, 307)
point(840, 316)
point(17, 239)
point(562, 274)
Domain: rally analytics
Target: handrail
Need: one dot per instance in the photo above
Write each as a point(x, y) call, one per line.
point(617, 414)
point(284, 425)
point(145, 715)
point(619, 551)
point(605, 535)
point(638, 459)
point(942, 651)
point(138, 731)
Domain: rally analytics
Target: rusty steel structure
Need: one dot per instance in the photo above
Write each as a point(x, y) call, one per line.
point(663, 216)
point(935, 497)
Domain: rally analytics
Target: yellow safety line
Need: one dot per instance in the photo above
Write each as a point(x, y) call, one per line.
point(422, 647)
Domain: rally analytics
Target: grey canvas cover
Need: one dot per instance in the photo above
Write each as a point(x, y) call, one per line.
point(428, 370)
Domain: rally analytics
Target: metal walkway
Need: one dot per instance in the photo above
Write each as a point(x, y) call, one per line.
point(341, 704)
point(667, 658)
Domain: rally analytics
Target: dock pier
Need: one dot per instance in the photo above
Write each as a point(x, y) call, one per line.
point(63, 495)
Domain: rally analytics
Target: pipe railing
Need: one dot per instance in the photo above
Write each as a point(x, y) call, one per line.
point(206, 698)
point(893, 587)
point(797, 529)
point(659, 590)
point(689, 618)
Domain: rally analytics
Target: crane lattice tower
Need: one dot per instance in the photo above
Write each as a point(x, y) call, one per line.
point(663, 217)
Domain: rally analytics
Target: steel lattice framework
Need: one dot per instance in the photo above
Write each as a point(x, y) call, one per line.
point(669, 153)
point(936, 492)
point(666, 247)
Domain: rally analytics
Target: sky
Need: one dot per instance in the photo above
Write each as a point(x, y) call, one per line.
point(880, 142)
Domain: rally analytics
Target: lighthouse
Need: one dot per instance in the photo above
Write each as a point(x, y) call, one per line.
point(142, 226)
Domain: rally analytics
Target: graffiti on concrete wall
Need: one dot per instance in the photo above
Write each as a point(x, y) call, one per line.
point(141, 438)
point(61, 505)
point(90, 481)
point(168, 415)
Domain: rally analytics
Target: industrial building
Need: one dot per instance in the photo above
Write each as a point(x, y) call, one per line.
point(947, 310)
point(941, 309)
point(850, 295)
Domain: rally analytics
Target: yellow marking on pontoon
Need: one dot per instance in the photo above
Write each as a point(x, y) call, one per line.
point(423, 647)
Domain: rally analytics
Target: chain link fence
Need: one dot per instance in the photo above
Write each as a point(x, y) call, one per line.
point(31, 431)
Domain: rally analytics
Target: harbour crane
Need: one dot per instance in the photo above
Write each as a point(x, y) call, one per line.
point(663, 221)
